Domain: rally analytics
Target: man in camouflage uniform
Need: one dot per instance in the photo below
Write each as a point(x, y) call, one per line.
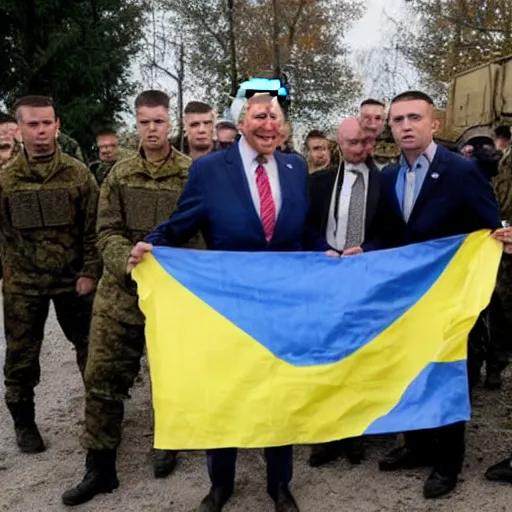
point(500, 310)
point(109, 153)
point(138, 194)
point(48, 204)
point(9, 145)
point(70, 146)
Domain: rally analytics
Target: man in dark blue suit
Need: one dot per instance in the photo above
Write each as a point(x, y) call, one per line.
point(432, 193)
point(246, 198)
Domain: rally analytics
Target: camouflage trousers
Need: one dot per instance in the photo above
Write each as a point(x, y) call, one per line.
point(24, 320)
point(113, 363)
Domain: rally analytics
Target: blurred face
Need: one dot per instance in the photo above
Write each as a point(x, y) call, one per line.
point(6, 143)
point(14, 131)
point(373, 119)
point(226, 136)
point(502, 144)
point(39, 128)
point(199, 130)
point(371, 143)
point(285, 135)
point(353, 143)
point(412, 124)
point(261, 126)
point(107, 146)
point(153, 125)
point(318, 152)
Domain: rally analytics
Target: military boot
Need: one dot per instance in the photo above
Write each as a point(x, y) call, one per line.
point(164, 462)
point(100, 477)
point(28, 438)
point(493, 379)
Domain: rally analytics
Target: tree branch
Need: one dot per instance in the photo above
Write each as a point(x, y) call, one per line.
point(154, 64)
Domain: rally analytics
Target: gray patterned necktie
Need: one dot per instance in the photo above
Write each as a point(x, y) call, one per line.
point(355, 228)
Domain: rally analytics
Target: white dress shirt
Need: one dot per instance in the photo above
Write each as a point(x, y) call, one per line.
point(336, 234)
point(249, 156)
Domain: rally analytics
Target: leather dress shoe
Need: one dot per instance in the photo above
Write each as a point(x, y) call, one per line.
point(284, 500)
point(215, 499)
point(501, 472)
point(324, 453)
point(164, 462)
point(404, 458)
point(439, 484)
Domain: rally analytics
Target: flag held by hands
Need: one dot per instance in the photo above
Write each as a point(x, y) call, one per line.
point(268, 349)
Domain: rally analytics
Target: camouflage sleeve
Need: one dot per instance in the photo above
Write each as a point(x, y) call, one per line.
point(78, 154)
point(92, 260)
point(114, 246)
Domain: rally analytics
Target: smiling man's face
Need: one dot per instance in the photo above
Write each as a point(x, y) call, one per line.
point(262, 124)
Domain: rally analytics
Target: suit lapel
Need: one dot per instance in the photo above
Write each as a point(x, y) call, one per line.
point(236, 173)
point(391, 183)
point(430, 183)
point(284, 174)
point(373, 193)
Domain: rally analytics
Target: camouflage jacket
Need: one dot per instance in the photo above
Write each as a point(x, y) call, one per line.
point(135, 197)
point(102, 170)
point(47, 225)
point(502, 184)
point(70, 146)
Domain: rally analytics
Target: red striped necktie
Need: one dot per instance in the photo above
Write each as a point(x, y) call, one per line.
point(267, 205)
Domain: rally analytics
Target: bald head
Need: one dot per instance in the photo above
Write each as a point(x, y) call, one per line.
point(352, 141)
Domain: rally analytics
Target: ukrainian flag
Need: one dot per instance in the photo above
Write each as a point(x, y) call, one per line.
point(268, 349)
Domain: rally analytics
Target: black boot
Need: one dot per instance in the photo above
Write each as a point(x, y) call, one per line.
point(28, 437)
point(354, 449)
point(100, 477)
point(283, 499)
point(404, 458)
point(501, 472)
point(215, 499)
point(164, 462)
point(439, 484)
point(493, 380)
point(325, 453)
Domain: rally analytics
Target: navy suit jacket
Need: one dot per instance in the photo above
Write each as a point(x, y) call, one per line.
point(217, 202)
point(455, 198)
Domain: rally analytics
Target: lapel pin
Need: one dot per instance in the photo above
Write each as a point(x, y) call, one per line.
point(290, 166)
point(435, 175)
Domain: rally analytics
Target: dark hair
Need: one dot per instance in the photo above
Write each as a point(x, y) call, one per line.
point(197, 107)
point(226, 125)
point(34, 101)
point(411, 96)
point(315, 134)
point(152, 98)
point(105, 132)
point(503, 132)
point(7, 118)
point(371, 101)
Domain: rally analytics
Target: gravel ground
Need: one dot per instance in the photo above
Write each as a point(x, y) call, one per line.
point(35, 482)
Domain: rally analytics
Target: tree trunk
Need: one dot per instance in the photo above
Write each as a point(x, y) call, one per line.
point(232, 48)
point(277, 46)
point(180, 81)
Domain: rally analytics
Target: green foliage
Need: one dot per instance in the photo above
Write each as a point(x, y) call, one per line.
point(77, 51)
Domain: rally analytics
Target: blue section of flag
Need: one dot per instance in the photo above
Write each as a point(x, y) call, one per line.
point(311, 324)
point(421, 406)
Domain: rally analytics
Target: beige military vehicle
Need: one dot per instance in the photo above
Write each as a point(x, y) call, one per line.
point(478, 100)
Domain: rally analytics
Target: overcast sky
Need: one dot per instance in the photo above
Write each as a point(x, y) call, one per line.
point(367, 32)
